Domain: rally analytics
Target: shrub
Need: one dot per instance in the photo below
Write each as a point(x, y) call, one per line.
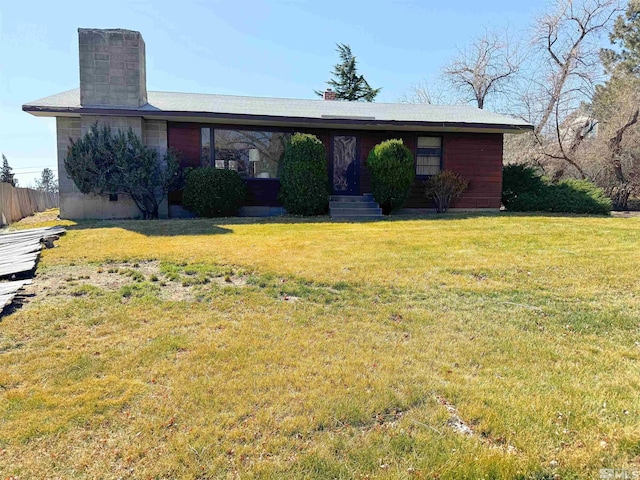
point(213, 192)
point(633, 204)
point(443, 188)
point(303, 176)
point(577, 196)
point(109, 163)
point(518, 180)
point(525, 191)
point(392, 173)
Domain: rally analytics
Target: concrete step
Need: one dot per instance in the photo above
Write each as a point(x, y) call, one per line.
point(367, 197)
point(355, 213)
point(356, 218)
point(354, 208)
point(359, 205)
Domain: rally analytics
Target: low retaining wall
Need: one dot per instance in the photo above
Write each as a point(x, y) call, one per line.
point(17, 203)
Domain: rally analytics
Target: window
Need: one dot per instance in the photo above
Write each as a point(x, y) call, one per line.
point(428, 156)
point(205, 146)
point(253, 154)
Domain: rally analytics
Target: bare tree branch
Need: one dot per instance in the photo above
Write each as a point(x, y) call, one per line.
point(483, 68)
point(567, 36)
point(432, 93)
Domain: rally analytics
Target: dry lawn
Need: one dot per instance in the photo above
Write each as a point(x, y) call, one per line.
point(496, 346)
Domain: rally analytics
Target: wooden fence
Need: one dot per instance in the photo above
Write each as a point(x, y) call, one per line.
point(17, 203)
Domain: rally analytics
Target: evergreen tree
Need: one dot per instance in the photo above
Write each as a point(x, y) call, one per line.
point(6, 174)
point(47, 181)
point(106, 162)
point(347, 84)
point(626, 36)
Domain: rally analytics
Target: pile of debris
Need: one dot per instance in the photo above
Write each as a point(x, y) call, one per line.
point(19, 254)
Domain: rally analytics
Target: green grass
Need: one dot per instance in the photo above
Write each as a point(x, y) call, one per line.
point(295, 349)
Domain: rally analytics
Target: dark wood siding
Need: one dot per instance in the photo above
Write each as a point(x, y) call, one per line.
point(477, 157)
point(185, 138)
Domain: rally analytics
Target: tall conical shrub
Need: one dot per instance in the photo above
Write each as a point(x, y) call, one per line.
point(392, 173)
point(303, 176)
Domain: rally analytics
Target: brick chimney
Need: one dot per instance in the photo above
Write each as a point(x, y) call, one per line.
point(112, 68)
point(329, 94)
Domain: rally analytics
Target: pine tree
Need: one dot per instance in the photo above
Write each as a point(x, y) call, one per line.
point(626, 36)
point(47, 181)
point(6, 174)
point(347, 84)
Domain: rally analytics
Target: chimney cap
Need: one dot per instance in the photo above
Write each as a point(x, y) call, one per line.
point(329, 94)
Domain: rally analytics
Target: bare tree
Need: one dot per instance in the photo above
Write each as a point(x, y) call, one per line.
point(567, 70)
point(432, 93)
point(484, 68)
point(614, 159)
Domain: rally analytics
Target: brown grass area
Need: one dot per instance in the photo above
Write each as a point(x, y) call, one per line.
point(294, 349)
point(40, 219)
point(83, 280)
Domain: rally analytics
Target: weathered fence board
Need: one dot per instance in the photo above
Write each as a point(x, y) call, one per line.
point(19, 252)
point(17, 203)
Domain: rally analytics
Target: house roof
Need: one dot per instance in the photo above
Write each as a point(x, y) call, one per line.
point(230, 109)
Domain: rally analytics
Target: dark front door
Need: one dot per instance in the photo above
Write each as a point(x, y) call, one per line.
point(345, 171)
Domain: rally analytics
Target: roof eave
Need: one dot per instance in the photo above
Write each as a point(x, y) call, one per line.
point(272, 120)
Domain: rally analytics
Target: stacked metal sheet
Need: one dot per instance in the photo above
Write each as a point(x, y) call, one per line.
point(19, 252)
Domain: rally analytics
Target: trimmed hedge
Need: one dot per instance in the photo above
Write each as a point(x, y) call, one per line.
point(392, 173)
point(523, 190)
point(213, 192)
point(303, 176)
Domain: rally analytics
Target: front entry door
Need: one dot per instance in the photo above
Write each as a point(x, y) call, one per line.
point(345, 172)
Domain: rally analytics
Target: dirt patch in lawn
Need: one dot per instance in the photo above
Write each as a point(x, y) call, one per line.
point(81, 280)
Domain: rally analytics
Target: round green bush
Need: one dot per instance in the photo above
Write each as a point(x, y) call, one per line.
point(303, 176)
point(213, 192)
point(392, 173)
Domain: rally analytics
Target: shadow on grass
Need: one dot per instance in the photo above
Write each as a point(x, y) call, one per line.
point(220, 226)
point(157, 228)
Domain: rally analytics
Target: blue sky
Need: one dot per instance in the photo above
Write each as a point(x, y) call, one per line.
point(262, 48)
